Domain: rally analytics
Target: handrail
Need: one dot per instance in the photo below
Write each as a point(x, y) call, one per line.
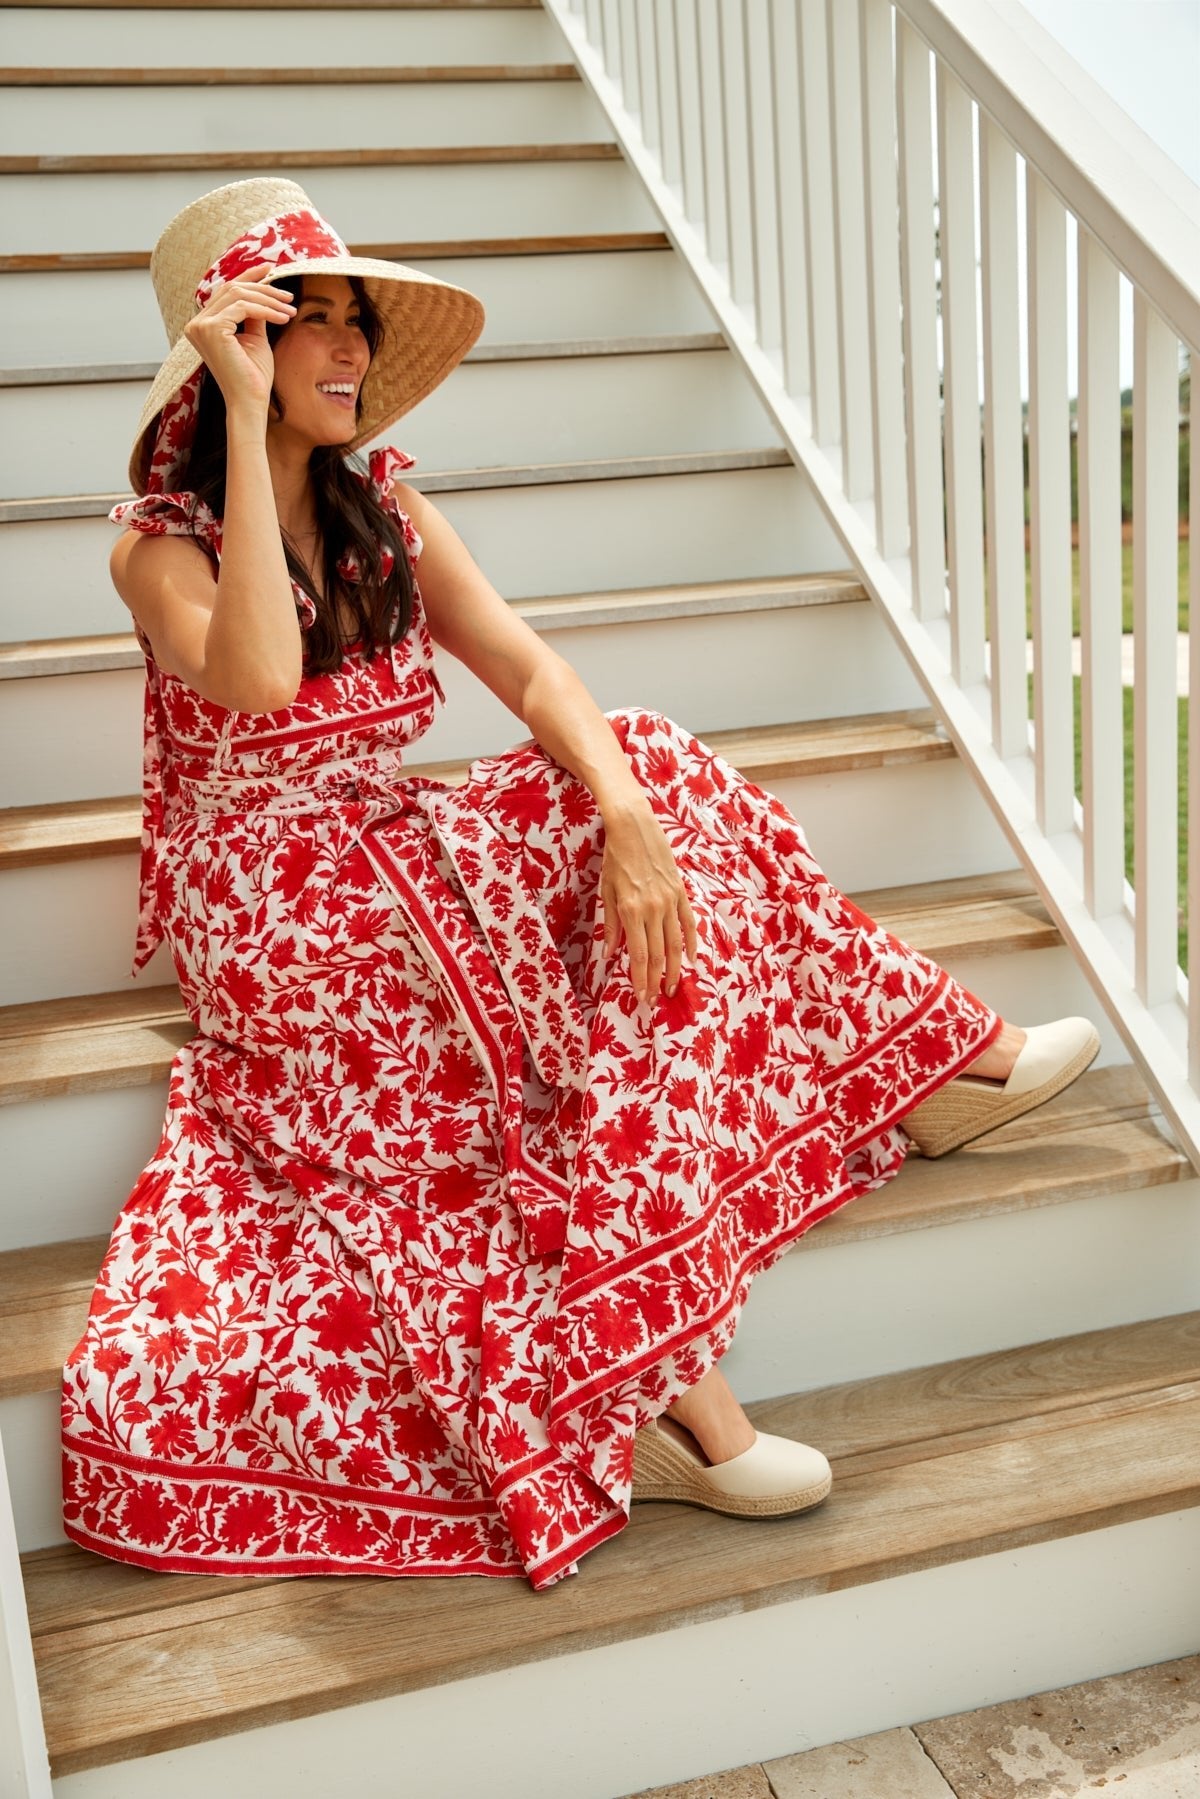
point(791, 150)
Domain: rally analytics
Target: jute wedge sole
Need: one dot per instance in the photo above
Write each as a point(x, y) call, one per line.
point(664, 1470)
point(968, 1107)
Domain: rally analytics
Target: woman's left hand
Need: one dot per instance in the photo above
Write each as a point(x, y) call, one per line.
point(642, 891)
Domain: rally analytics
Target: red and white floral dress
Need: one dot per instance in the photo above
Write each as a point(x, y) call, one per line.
point(441, 1214)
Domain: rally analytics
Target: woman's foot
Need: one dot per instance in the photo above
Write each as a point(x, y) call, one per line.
point(711, 1413)
point(996, 1062)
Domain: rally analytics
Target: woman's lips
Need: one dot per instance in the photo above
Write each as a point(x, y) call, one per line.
point(346, 400)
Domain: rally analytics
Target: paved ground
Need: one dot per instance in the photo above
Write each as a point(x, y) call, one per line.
point(1136, 1734)
point(1181, 659)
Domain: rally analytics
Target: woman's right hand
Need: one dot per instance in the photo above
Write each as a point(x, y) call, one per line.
point(241, 362)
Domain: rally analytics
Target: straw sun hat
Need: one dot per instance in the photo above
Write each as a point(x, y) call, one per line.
point(429, 325)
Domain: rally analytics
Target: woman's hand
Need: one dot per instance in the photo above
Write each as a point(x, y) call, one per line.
point(641, 890)
point(241, 361)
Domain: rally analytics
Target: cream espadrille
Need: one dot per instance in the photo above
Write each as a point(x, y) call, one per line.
point(775, 1477)
point(1052, 1056)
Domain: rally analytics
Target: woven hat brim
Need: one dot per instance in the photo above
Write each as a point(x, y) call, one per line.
point(429, 326)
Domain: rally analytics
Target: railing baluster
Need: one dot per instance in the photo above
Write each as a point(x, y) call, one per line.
point(1155, 637)
point(760, 111)
point(1004, 482)
point(960, 377)
point(850, 260)
point(883, 275)
point(738, 225)
point(595, 26)
point(712, 128)
point(667, 95)
point(1050, 505)
point(1098, 454)
point(826, 425)
point(691, 135)
point(610, 38)
point(647, 75)
point(923, 425)
point(628, 50)
point(789, 188)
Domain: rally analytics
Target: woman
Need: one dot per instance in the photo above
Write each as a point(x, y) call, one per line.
point(501, 1094)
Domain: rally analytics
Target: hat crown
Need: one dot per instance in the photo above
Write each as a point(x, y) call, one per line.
point(199, 235)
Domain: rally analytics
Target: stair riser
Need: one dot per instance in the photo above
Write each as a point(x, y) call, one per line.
point(559, 538)
point(102, 1140)
point(357, 116)
point(822, 1316)
point(490, 414)
point(821, 1669)
point(55, 214)
point(109, 315)
point(117, 37)
point(67, 927)
point(710, 673)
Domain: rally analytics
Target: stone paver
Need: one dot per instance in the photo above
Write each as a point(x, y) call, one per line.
point(889, 1765)
point(1137, 1734)
point(734, 1783)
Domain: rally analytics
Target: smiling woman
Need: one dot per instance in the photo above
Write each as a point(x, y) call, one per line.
point(502, 1093)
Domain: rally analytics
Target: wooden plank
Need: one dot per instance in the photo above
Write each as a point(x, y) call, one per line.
point(1096, 1138)
point(469, 480)
point(68, 374)
point(417, 250)
point(931, 1466)
point(67, 830)
point(324, 76)
point(69, 655)
point(408, 156)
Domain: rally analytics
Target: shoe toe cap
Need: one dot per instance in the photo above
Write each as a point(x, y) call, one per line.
point(772, 1465)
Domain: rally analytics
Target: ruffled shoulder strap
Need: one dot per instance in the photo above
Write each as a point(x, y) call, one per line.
point(383, 465)
point(169, 515)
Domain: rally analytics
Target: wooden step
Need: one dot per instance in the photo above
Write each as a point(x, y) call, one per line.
point(1102, 1135)
point(556, 612)
point(326, 75)
point(414, 250)
point(94, 1042)
point(930, 1466)
point(71, 830)
point(539, 474)
point(415, 155)
point(86, 374)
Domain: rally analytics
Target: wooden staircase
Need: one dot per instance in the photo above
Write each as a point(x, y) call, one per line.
point(999, 1351)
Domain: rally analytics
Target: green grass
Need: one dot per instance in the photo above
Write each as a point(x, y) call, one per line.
point(1182, 715)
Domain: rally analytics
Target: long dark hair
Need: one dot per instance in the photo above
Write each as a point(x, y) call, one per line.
point(348, 515)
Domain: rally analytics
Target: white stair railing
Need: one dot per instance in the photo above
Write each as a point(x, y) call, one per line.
point(24, 1767)
point(814, 161)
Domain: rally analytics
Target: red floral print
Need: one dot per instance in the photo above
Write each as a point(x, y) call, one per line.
point(441, 1213)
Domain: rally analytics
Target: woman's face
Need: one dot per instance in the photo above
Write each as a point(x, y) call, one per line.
point(322, 350)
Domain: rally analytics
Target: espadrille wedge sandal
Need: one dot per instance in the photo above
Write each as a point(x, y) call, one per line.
point(1052, 1056)
point(775, 1477)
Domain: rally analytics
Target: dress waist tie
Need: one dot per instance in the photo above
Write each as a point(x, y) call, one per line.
point(525, 956)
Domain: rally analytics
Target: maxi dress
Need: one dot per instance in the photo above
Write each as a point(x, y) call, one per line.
point(441, 1214)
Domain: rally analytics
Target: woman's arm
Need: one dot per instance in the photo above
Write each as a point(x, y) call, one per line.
point(235, 637)
point(641, 887)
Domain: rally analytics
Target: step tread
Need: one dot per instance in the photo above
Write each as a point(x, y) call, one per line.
point(89, 1042)
point(99, 654)
point(67, 262)
point(27, 75)
point(142, 162)
point(932, 1465)
point(1102, 1135)
point(67, 374)
point(67, 830)
point(464, 480)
